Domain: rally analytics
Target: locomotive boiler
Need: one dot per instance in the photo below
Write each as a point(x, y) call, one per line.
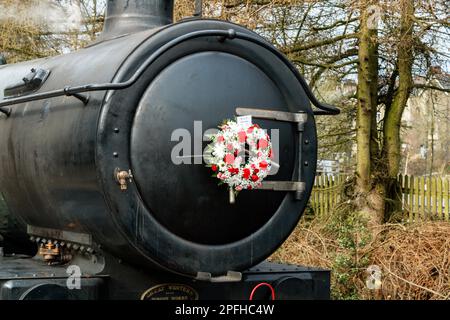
point(87, 173)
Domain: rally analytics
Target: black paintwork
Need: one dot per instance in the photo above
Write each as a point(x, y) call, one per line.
point(164, 246)
point(59, 155)
point(31, 279)
point(114, 105)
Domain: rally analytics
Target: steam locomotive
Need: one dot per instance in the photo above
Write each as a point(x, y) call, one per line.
point(93, 207)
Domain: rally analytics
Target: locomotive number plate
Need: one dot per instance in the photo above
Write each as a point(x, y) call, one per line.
point(170, 291)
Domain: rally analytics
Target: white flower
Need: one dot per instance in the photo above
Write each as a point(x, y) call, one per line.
point(235, 179)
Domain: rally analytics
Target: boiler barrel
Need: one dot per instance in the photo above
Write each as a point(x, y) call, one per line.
point(59, 157)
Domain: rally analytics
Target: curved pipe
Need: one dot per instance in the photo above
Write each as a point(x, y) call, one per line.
point(263, 284)
point(222, 34)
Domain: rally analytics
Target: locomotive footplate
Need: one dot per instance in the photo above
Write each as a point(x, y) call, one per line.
point(24, 278)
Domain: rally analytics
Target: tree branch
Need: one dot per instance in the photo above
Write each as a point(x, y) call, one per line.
point(427, 86)
point(317, 44)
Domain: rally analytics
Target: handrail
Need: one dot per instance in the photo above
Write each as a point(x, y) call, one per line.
point(229, 34)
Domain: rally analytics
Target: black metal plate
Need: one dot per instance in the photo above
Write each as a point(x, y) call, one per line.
point(204, 88)
point(133, 212)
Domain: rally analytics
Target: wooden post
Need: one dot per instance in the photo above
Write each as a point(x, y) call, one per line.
point(334, 192)
point(416, 198)
point(325, 193)
point(330, 194)
point(439, 197)
point(433, 207)
point(321, 195)
point(422, 198)
point(406, 194)
point(400, 183)
point(428, 197)
point(315, 198)
point(446, 198)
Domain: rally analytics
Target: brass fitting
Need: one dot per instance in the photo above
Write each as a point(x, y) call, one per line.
point(122, 178)
point(50, 252)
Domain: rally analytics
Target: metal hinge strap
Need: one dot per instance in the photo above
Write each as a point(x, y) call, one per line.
point(296, 117)
point(300, 118)
point(231, 276)
point(283, 186)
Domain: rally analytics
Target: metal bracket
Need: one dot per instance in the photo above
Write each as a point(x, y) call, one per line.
point(62, 235)
point(283, 186)
point(30, 83)
point(299, 118)
point(198, 11)
point(296, 117)
point(232, 276)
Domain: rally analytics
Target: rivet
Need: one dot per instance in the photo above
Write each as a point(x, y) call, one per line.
point(231, 34)
point(116, 130)
point(115, 154)
point(306, 141)
point(306, 163)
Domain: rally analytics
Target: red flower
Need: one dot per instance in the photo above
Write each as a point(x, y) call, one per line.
point(242, 136)
point(250, 130)
point(214, 167)
point(262, 144)
point(229, 159)
point(233, 170)
point(246, 173)
point(255, 178)
point(263, 165)
point(255, 171)
point(220, 139)
point(249, 187)
point(230, 146)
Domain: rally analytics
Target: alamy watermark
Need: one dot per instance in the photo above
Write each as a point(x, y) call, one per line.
point(182, 152)
point(74, 280)
point(373, 280)
point(374, 17)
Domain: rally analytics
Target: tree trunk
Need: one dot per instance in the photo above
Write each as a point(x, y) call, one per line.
point(393, 116)
point(369, 198)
